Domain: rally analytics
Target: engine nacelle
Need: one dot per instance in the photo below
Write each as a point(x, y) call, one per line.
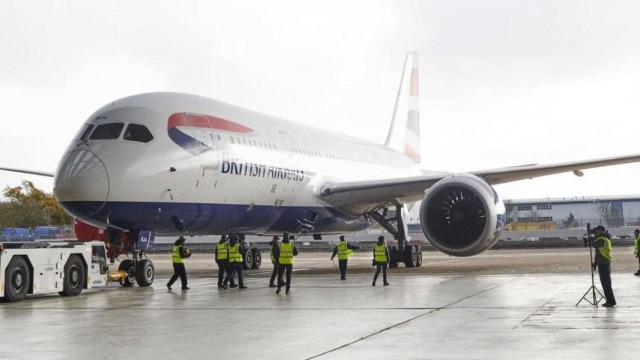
point(459, 215)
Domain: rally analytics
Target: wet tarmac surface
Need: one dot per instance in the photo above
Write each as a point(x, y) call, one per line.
point(423, 316)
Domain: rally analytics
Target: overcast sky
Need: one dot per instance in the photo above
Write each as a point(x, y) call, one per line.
point(502, 82)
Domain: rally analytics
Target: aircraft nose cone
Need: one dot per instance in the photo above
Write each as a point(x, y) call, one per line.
point(82, 183)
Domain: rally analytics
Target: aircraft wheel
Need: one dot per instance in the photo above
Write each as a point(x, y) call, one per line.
point(248, 260)
point(127, 266)
point(145, 273)
point(418, 256)
point(393, 257)
point(257, 259)
point(17, 279)
point(410, 256)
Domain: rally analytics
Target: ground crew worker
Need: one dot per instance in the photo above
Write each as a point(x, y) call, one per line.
point(222, 259)
point(344, 250)
point(380, 259)
point(602, 243)
point(285, 253)
point(235, 262)
point(636, 249)
point(178, 253)
point(275, 242)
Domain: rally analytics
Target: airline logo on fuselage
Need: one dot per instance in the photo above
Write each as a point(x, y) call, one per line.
point(178, 121)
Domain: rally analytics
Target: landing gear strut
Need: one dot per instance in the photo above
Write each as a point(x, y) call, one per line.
point(410, 255)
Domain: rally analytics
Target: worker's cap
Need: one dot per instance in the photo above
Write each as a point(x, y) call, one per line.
point(181, 238)
point(599, 228)
point(341, 237)
point(380, 238)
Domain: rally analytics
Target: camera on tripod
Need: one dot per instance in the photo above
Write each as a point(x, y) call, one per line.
point(588, 240)
point(593, 296)
point(592, 233)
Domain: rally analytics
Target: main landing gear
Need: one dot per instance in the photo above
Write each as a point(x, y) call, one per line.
point(410, 255)
point(251, 256)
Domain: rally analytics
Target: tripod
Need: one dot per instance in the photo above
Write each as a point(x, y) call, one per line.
point(596, 296)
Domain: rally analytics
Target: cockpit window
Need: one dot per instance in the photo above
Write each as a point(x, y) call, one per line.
point(107, 131)
point(84, 132)
point(138, 133)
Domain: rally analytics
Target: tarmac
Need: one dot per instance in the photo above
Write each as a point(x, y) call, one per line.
point(424, 314)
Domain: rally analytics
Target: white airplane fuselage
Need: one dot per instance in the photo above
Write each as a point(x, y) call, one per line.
point(213, 168)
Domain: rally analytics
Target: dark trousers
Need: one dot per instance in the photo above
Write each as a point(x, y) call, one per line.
point(228, 275)
point(231, 269)
point(604, 270)
point(274, 273)
point(282, 269)
point(638, 263)
point(383, 267)
point(342, 264)
point(222, 269)
point(181, 272)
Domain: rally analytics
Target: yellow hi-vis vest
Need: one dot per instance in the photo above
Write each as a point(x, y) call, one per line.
point(636, 244)
point(344, 253)
point(273, 247)
point(380, 253)
point(605, 250)
point(234, 254)
point(175, 254)
point(286, 253)
point(221, 251)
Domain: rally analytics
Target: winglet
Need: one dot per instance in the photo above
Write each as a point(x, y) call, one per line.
point(404, 133)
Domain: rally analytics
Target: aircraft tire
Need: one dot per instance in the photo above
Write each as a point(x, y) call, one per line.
point(247, 262)
point(418, 256)
point(393, 257)
point(126, 265)
point(410, 256)
point(145, 273)
point(257, 259)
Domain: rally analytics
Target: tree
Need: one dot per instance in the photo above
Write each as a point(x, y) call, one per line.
point(570, 221)
point(28, 206)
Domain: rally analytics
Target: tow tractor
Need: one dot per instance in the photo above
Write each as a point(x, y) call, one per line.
point(53, 267)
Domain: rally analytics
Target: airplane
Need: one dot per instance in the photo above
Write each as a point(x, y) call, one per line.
point(176, 163)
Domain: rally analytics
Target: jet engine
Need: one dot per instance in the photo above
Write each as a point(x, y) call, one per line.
point(459, 215)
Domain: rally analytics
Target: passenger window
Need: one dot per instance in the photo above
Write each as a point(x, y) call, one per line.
point(107, 131)
point(138, 133)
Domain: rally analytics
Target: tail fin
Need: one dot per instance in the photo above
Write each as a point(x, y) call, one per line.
point(404, 133)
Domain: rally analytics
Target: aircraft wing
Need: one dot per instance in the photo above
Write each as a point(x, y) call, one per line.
point(32, 172)
point(505, 175)
point(360, 196)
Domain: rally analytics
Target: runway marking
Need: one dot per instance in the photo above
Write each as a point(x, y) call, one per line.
point(390, 327)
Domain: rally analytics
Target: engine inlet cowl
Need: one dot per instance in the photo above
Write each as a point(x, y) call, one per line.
point(459, 215)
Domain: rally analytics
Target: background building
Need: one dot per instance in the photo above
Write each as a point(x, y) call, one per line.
point(562, 213)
